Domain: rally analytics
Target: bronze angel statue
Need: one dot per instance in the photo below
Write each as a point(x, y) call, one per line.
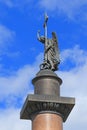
point(51, 53)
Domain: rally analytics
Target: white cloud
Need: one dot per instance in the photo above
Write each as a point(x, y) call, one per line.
point(69, 8)
point(18, 84)
point(77, 119)
point(74, 81)
point(75, 78)
point(76, 56)
point(10, 119)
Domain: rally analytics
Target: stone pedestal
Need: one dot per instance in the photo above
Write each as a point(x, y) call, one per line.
point(46, 108)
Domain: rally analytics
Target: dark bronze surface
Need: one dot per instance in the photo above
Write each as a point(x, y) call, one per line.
point(51, 52)
point(47, 97)
point(37, 103)
point(47, 82)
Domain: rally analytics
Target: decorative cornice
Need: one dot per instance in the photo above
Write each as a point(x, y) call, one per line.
point(33, 106)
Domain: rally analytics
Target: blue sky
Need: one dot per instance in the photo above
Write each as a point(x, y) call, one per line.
point(21, 55)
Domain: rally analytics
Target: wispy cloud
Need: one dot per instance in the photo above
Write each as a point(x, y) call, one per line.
point(71, 9)
point(76, 56)
point(7, 2)
point(16, 3)
point(6, 38)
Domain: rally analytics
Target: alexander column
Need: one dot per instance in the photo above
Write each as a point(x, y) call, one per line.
point(46, 108)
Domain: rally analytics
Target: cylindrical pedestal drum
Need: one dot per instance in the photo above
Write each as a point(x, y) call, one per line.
point(47, 121)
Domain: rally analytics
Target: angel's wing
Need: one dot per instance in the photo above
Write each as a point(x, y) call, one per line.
point(56, 48)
